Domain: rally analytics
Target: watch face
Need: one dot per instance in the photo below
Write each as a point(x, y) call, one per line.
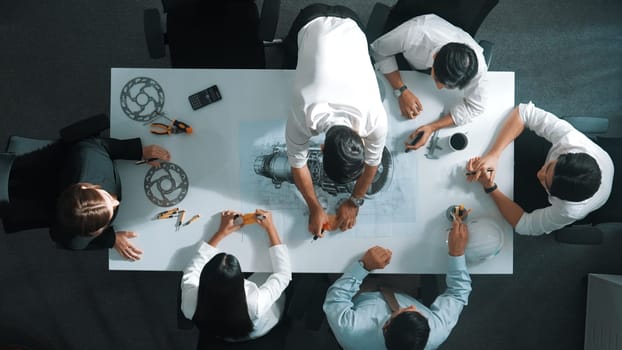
point(397, 93)
point(357, 201)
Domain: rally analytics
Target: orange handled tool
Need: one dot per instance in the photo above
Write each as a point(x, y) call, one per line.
point(247, 219)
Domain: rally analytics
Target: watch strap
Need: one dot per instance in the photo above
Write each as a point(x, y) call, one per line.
point(398, 92)
point(491, 189)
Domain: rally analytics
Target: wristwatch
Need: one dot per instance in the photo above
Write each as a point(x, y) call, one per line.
point(400, 91)
point(357, 201)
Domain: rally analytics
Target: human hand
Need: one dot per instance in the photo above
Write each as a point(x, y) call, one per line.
point(485, 175)
point(227, 222)
point(227, 225)
point(124, 247)
point(410, 106)
point(458, 237)
point(481, 164)
point(346, 215)
point(266, 222)
point(155, 151)
point(427, 131)
point(317, 218)
point(376, 258)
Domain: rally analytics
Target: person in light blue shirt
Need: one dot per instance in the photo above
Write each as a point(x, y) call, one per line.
point(366, 320)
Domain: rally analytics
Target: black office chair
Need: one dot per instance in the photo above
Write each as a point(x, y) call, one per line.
point(586, 231)
point(24, 214)
point(466, 14)
point(212, 34)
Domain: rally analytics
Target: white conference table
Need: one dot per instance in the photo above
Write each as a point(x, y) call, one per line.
point(407, 215)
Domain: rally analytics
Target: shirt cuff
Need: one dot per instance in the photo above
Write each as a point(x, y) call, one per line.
point(387, 65)
point(457, 263)
point(357, 271)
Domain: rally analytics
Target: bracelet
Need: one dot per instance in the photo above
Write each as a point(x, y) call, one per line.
point(491, 189)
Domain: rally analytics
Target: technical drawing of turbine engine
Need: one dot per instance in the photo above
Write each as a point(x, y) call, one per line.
point(275, 166)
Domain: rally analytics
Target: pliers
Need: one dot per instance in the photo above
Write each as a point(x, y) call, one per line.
point(175, 127)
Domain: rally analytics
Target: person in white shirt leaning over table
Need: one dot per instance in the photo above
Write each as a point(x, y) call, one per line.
point(577, 174)
point(456, 61)
point(383, 319)
point(336, 93)
point(215, 295)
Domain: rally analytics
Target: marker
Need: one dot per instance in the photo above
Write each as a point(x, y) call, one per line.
point(146, 161)
point(469, 173)
point(193, 219)
point(327, 226)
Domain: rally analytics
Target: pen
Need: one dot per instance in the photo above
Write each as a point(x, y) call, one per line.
point(469, 173)
point(146, 161)
point(193, 219)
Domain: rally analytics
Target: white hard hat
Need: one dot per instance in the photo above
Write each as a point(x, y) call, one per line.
point(485, 240)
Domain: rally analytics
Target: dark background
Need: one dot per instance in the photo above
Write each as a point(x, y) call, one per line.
point(55, 62)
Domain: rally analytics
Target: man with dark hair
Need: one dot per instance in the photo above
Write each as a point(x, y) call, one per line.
point(379, 319)
point(336, 93)
point(456, 61)
point(577, 174)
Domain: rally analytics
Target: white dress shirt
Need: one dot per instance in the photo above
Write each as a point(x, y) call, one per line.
point(334, 84)
point(264, 292)
point(565, 139)
point(419, 39)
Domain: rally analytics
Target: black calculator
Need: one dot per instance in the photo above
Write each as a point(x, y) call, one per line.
point(204, 97)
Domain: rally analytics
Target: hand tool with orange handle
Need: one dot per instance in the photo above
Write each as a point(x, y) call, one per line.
point(247, 219)
point(167, 214)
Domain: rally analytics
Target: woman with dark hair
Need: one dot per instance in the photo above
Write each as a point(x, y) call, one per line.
point(215, 295)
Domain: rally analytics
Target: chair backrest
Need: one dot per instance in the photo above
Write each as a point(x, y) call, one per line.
point(215, 34)
point(611, 211)
point(466, 14)
point(6, 162)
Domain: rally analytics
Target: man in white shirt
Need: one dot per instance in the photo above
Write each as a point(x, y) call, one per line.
point(335, 92)
point(456, 61)
point(577, 174)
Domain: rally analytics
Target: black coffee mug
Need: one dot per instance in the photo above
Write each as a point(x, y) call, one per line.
point(458, 141)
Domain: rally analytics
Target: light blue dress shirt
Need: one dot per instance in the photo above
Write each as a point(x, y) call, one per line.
point(357, 322)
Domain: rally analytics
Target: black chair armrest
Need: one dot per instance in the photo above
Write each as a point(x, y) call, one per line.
point(487, 46)
point(84, 128)
point(154, 34)
point(269, 19)
point(6, 163)
point(376, 22)
point(579, 234)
